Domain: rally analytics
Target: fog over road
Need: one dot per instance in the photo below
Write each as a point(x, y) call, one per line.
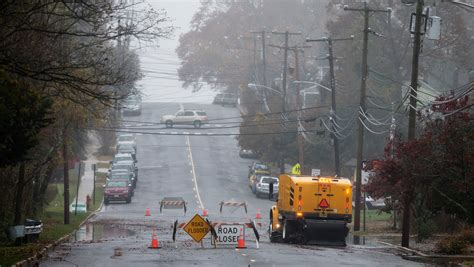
point(204, 170)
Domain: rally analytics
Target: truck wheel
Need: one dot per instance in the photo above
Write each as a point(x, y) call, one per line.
point(275, 237)
point(197, 124)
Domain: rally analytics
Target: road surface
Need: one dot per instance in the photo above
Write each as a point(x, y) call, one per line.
point(204, 170)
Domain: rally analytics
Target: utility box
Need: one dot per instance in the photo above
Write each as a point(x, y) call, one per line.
point(434, 28)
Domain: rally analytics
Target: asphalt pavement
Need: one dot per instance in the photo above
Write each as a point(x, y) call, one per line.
point(204, 170)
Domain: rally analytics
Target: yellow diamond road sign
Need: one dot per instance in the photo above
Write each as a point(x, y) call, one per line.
point(197, 228)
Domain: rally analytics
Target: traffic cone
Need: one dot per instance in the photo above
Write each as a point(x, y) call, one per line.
point(154, 241)
point(241, 241)
point(258, 216)
point(147, 212)
point(204, 213)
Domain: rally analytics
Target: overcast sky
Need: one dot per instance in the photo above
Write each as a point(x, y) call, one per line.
point(159, 64)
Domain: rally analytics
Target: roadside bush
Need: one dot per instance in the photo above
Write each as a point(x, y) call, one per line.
point(467, 235)
point(425, 229)
point(453, 245)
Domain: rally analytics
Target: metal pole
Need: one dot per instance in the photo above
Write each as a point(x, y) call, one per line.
point(77, 188)
point(93, 192)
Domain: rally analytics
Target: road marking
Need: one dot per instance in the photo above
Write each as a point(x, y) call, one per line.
point(194, 173)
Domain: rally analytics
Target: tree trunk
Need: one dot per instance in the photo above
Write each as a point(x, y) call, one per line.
point(19, 195)
point(406, 223)
point(66, 178)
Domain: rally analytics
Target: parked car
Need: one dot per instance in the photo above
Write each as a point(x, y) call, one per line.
point(81, 207)
point(262, 185)
point(186, 117)
point(226, 99)
point(122, 157)
point(247, 153)
point(259, 168)
point(117, 190)
point(127, 149)
point(126, 138)
point(132, 106)
point(123, 175)
point(125, 167)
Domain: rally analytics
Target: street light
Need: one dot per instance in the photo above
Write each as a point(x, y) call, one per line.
point(266, 87)
point(315, 83)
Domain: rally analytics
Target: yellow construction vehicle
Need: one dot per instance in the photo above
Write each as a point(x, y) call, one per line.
point(311, 210)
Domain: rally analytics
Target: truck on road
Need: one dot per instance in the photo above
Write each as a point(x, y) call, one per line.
point(311, 209)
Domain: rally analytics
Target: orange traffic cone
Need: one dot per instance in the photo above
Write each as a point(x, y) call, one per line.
point(204, 213)
point(154, 241)
point(147, 212)
point(258, 216)
point(241, 241)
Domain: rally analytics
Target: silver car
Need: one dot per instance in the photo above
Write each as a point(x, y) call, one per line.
point(262, 185)
point(189, 117)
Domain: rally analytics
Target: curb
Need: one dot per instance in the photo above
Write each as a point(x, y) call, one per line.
point(42, 254)
point(422, 257)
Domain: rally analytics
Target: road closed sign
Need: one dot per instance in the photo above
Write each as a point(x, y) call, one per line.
point(228, 234)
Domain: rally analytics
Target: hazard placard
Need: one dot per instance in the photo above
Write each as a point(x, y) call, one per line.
point(197, 228)
point(228, 234)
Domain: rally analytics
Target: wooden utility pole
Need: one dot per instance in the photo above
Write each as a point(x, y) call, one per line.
point(366, 11)
point(296, 49)
point(412, 113)
point(283, 99)
point(330, 41)
point(264, 56)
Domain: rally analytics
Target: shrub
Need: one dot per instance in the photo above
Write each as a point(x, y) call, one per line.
point(452, 245)
point(425, 229)
point(467, 235)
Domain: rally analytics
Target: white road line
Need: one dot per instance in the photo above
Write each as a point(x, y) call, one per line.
point(194, 173)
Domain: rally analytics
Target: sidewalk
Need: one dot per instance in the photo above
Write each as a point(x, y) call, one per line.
point(86, 186)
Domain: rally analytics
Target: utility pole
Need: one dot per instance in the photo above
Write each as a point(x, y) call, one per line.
point(264, 56)
point(330, 41)
point(296, 49)
point(366, 11)
point(283, 109)
point(412, 112)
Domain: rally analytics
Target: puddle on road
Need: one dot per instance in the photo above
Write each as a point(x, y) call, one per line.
point(98, 231)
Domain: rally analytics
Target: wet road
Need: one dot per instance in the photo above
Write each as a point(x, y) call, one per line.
point(204, 170)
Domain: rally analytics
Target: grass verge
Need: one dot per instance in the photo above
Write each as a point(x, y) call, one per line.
point(53, 222)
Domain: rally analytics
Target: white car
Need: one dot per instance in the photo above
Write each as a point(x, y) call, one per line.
point(81, 207)
point(188, 117)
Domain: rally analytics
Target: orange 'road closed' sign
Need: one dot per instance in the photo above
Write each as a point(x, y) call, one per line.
point(197, 228)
